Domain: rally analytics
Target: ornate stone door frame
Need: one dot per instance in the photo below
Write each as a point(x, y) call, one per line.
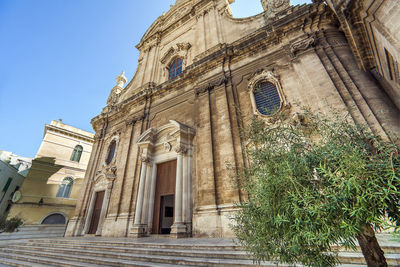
point(171, 141)
point(103, 182)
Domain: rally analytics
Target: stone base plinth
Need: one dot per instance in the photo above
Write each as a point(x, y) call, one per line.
point(179, 230)
point(138, 231)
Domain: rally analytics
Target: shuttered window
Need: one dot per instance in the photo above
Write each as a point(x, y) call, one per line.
point(65, 187)
point(77, 153)
point(175, 68)
point(267, 98)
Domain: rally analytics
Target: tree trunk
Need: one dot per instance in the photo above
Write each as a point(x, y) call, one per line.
point(373, 254)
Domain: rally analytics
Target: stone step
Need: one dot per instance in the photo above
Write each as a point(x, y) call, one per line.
point(387, 248)
point(79, 257)
point(111, 251)
point(20, 263)
point(128, 253)
point(137, 243)
point(34, 260)
point(32, 233)
point(358, 258)
point(11, 262)
point(132, 259)
point(30, 236)
point(39, 227)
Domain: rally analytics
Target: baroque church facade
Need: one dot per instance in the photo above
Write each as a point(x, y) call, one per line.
point(159, 163)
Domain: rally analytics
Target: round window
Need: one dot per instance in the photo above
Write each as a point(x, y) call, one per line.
point(267, 98)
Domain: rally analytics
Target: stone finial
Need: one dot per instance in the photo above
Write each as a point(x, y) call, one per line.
point(274, 6)
point(121, 79)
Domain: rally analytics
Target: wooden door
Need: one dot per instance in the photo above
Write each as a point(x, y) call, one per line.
point(165, 186)
point(94, 223)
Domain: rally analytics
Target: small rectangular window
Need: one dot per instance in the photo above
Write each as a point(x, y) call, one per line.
point(7, 185)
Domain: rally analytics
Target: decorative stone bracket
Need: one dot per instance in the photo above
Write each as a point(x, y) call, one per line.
point(301, 45)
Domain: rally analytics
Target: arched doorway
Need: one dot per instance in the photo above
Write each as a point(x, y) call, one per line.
point(169, 147)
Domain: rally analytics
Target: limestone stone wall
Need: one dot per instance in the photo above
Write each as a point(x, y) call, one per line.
point(196, 117)
point(372, 27)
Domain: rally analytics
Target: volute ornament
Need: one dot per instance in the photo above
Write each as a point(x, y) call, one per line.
point(271, 7)
point(180, 149)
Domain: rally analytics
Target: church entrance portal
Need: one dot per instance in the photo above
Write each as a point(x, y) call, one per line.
point(96, 212)
point(164, 198)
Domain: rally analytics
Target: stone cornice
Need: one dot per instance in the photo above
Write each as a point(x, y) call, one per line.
point(49, 127)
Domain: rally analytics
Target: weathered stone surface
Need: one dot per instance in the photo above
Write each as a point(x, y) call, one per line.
point(195, 117)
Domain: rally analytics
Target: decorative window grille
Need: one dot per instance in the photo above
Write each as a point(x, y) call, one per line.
point(175, 68)
point(77, 153)
point(111, 151)
point(56, 218)
point(65, 188)
point(267, 98)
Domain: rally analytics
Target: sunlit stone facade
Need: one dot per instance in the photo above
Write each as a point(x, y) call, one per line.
point(164, 141)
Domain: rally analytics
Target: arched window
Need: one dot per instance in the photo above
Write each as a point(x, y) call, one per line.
point(65, 187)
point(266, 97)
point(175, 68)
point(77, 153)
point(111, 151)
point(55, 218)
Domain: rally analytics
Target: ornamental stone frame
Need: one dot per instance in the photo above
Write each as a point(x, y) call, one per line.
point(269, 76)
point(115, 138)
point(102, 182)
point(180, 50)
point(155, 145)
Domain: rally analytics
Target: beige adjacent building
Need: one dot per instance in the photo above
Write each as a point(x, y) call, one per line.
point(51, 188)
point(162, 143)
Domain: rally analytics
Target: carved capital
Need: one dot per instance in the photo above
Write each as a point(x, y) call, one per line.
point(211, 85)
point(145, 159)
point(111, 172)
point(180, 149)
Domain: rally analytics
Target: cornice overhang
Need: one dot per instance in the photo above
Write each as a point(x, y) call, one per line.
point(53, 128)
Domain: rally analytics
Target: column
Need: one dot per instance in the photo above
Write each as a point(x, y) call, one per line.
point(178, 190)
point(139, 201)
point(184, 188)
point(178, 229)
point(151, 197)
point(146, 194)
point(188, 202)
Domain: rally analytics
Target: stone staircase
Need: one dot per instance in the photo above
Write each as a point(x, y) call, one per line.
point(35, 231)
point(98, 251)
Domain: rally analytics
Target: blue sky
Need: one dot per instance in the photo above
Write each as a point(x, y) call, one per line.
point(59, 59)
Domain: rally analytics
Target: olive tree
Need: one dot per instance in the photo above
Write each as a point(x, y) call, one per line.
point(314, 182)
